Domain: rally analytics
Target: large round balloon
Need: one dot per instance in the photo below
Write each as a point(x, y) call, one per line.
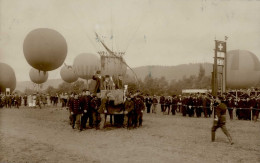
point(7, 78)
point(45, 49)
point(37, 76)
point(68, 74)
point(86, 65)
point(113, 66)
point(243, 69)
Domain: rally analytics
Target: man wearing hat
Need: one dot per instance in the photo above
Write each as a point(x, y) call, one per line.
point(99, 82)
point(220, 120)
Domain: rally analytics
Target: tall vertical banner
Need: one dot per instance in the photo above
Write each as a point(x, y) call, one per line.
point(220, 48)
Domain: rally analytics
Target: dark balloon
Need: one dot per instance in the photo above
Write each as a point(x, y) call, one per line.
point(113, 66)
point(45, 49)
point(68, 74)
point(86, 65)
point(37, 76)
point(7, 78)
point(243, 69)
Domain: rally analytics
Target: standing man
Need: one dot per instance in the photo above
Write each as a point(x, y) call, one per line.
point(148, 103)
point(87, 109)
point(168, 102)
point(76, 112)
point(155, 102)
point(230, 106)
point(174, 104)
point(220, 120)
point(162, 102)
point(99, 82)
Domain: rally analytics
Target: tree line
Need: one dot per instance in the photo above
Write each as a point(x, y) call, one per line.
point(150, 85)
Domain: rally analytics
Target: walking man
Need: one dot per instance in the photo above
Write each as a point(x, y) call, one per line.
point(220, 121)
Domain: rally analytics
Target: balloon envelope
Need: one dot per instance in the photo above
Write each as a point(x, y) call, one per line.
point(243, 69)
point(37, 76)
point(86, 65)
point(113, 66)
point(68, 74)
point(45, 49)
point(7, 78)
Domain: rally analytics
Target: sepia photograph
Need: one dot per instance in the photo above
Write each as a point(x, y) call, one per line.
point(120, 81)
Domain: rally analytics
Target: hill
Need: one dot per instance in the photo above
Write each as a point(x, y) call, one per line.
point(169, 72)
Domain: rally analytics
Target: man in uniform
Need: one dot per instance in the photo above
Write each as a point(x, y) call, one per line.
point(138, 111)
point(174, 104)
point(129, 112)
point(154, 105)
point(87, 111)
point(76, 112)
point(162, 102)
point(168, 102)
point(220, 120)
point(148, 103)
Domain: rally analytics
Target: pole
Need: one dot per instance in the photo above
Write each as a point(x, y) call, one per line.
point(225, 70)
point(215, 72)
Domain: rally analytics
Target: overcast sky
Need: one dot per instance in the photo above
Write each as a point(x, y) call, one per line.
point(152, 32)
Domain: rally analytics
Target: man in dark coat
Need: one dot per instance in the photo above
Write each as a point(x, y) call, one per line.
point(174, 105)
point(167, 105)
point(230, 106)
point(220, 120)
point(129, 112)
point(87, 110)
point(190, 107)
point(99, 82)
point(138, 111)
point(96, 111)
point(76, 112)
point(148, 103)
point(25, 100)
point(162, 102)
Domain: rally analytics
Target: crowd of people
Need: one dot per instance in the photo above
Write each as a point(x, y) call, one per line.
point(87, 108)
point(246, 106)
point(35, 100)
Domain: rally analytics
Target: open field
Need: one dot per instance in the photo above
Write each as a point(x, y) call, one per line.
point(44, 135)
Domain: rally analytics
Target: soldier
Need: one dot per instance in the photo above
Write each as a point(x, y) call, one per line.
point(256, 114)
point(220, 120)
point(16, 100)
point(148, 103)
point(99, 82)
point(253, 106)
point(174, 105)
point(154, 105)
point(168, 102)
point(162, 102)
point(230, 106)
point(190, 108)
point(76, 112)
point(25, 100)
point(204, 105)
point(87, 109)
point(179, 104)
point(129, 112)
point(138, 111)
point(97, 112)
point(184, 106)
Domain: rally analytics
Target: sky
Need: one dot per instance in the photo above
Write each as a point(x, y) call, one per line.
point(150, 32)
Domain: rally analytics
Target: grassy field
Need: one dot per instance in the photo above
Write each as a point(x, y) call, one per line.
point(44, 135)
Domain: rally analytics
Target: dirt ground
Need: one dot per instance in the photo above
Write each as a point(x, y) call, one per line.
point(44, 135)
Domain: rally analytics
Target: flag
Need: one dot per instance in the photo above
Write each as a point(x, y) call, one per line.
point(220, 46)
